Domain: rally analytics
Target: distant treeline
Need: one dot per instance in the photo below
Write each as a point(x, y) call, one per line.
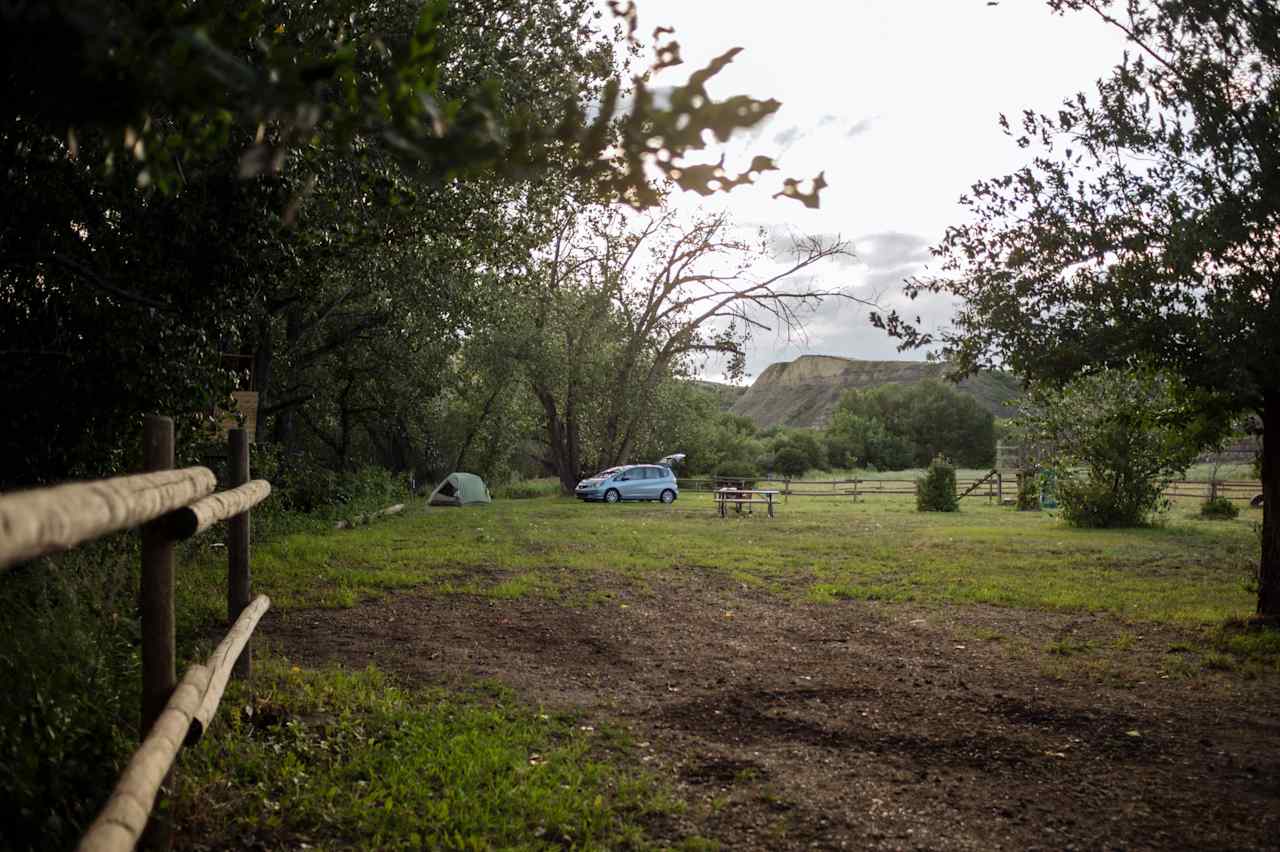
point(891, 427)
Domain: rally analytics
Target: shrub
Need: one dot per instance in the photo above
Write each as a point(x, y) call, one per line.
point(791, 461)
point(1218, 508)
point(1099, 503)
point(936, 490)
point(1028, 492)
point(526, 489)
point(736, 470)
point(1127, 432)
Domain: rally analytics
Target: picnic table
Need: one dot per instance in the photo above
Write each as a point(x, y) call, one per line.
point(740, 497)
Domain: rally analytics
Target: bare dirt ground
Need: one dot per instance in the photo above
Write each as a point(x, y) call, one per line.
point(862, 725)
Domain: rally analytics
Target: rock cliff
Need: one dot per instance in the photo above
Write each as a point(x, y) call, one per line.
point(804, 392)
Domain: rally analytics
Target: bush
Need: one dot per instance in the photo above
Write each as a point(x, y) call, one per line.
point(1028, 492)
point(791, 461)
point(1218, 509)
point(936, 490)
point(1099, 503)
point(736, 470)
point(526, 489)
point(1127, 432)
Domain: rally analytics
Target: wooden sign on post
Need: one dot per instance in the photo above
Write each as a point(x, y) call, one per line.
point(246, 404)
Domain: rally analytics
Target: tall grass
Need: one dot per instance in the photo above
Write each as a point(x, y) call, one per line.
point(69, 702)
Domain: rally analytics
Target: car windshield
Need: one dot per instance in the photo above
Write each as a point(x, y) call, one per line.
point(608, 471)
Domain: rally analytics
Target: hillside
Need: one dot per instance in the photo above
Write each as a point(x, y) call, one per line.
point(804, 392)
point(726, 395)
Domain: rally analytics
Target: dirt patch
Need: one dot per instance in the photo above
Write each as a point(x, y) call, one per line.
point(862, 724)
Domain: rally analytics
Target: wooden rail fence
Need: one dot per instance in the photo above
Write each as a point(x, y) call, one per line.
point(170, 506)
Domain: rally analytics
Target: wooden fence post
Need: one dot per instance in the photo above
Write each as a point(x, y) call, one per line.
point(238, 546)
point(159, 646)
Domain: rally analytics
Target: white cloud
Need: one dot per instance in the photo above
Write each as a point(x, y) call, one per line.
point(896, 100)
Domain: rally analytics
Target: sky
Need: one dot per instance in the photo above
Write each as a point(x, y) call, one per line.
point(897, 101)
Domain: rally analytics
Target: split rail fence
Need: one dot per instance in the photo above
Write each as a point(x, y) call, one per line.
point(170, 506)
point(987, 486)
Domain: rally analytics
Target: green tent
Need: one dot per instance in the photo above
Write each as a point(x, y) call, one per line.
point(460, 489)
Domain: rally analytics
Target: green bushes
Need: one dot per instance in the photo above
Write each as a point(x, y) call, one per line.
point(1098, 503)
point(897, 426)
point(526, 489)
point(736, 470)
point(791, 461)
point(936, 490)
point(1218, 508)
point(1123, 433)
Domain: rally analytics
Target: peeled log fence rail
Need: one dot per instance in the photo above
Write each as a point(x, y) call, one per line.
point(222, 661)
point(125, 815)
point(169, 505)
point(49, 520)
point(201, 515)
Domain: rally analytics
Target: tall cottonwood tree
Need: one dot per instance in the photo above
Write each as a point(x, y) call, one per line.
point(1147, 228)
point(619, 304)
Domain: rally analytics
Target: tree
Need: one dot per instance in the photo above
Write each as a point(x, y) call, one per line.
point(931, 418)
point(618, 305)
point(1128, 429)
point(167, 80)
point(1147, 227)
point(188, 179)
point(805, 441)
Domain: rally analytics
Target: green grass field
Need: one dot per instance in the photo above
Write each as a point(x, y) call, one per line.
point(1183, 570)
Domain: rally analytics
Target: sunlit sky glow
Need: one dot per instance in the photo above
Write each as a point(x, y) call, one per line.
point(897, 100)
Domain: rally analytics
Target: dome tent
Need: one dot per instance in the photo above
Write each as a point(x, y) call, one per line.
point(460, 489)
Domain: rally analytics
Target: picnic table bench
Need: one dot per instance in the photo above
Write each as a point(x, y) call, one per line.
point(740, 497)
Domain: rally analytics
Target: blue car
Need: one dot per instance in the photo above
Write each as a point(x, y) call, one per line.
point(630, 482)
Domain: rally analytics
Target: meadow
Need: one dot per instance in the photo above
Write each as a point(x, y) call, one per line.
point(1182, 570)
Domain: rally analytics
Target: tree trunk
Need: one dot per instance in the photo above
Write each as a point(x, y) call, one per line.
point(1269, 567)
point(477, 426)
point(558, 442)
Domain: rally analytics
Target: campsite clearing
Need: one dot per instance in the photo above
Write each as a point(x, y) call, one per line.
point(841, 676)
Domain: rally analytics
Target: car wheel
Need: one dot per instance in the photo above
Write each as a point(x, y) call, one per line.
point(612, 496)
point(668, 496)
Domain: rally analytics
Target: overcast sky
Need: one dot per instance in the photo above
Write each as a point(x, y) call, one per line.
point(897, 100)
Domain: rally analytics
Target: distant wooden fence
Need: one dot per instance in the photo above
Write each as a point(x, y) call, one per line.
point(995, 486)
point(854, 488)
point(170, 506)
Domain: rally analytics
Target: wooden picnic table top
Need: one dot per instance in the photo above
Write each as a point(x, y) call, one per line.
point(747, 491)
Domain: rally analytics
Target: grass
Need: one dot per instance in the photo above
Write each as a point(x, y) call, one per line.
point(1185, 571)
point(334, 759)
